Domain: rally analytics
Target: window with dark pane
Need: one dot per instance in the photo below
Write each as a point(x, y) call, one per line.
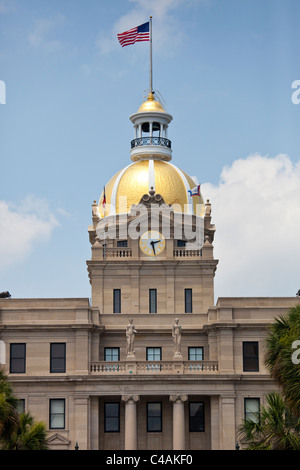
point(152, 301)
point(117, 301)
point(188, 301)
point(17, 358)
point(196, 416)
point(111, 417)
point(122, 243)
point(57, 357)
point(250, 356)
point(154, 417)
point(57, 413)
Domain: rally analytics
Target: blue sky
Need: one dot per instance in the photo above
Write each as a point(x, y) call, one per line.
point(225, 69)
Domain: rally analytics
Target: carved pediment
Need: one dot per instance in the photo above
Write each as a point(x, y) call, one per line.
point(58, 441)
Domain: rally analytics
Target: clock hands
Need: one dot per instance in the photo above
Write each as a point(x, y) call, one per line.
point(152, 244)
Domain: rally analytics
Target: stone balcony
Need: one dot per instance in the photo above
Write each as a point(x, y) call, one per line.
point(132, 367)
point(118, 253)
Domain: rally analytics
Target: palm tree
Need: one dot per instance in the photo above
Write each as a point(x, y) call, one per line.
point(284, 332)
point(275, 428)
point(8, 408)
point(27, 435)
point(18, 431)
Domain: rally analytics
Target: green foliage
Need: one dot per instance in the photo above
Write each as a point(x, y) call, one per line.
point(8, 407)
point(276, 428)
point(283, 332)
point(18, 431)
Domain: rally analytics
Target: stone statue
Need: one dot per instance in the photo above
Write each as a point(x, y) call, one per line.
point(130, 334)
point(176, 333)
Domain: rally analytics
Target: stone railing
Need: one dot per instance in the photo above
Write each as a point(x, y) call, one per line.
point(183, 253)
point(198, 367)
point(154, 367)
point(117, 252)
point(108, 367)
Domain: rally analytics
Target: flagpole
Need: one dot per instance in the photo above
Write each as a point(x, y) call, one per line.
point(150, 37)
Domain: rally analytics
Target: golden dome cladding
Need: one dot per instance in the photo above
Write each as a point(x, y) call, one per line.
point(151, 105)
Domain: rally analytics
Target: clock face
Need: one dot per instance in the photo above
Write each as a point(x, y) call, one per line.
point(152, 243)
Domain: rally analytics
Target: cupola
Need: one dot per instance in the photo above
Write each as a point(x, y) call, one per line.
point(151, 132)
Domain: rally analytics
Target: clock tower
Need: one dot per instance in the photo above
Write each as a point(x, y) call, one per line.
point(152, 234)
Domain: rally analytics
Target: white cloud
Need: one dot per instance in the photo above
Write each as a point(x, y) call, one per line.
point(43, 27)
point(256, 210)
point(21, 227)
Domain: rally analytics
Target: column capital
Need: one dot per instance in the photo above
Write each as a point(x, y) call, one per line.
point(130, 398)
point(178, 398)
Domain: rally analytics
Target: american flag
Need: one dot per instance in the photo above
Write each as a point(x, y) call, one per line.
point(137, 34)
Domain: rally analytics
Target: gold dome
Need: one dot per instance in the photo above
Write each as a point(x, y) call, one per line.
point(151, 105)
point(129, 185)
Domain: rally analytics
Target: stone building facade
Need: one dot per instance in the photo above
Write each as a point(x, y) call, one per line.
point(151, 362)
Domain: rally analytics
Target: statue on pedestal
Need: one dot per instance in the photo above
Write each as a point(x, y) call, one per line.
point(176, 333)
point(130, 334)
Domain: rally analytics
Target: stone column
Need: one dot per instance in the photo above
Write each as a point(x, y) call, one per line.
point(178, 421)
point(227, 423)
point(130, 421)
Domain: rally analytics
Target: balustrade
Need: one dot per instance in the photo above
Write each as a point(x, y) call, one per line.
point(151, 140)
point(154, 367)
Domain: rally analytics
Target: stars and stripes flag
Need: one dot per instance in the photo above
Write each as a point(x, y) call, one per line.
point(137, 34)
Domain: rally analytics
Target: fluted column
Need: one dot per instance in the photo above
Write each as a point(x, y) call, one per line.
point(130, 421)
point(178, 421)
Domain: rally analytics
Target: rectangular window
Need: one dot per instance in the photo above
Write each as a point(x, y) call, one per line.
point(57, 357)
point(154, 417)
point(188, 301)
point(117, 300)
point(152, 301)
point(153, 354)
point(111, 417)
point(17, 358)
point(111, 354)
point(250, 356)
point(181, 243)
point(196, 354)
point(196, 416)
point(122, 243)
point(252, 409)
point(57, 413)
point(21, 406)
